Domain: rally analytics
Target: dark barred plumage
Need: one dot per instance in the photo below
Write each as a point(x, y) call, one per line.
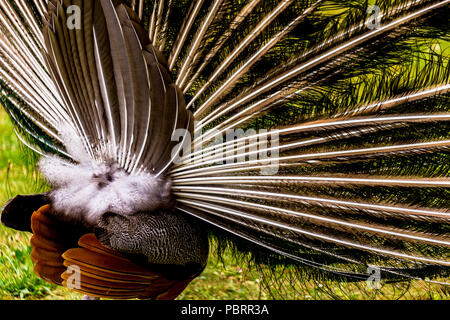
point(309, 137)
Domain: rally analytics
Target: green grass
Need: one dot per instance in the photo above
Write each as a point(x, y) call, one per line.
point(218, 281)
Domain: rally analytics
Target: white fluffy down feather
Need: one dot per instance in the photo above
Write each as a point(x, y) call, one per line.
point(86, 191)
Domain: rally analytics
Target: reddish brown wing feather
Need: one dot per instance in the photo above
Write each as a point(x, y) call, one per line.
point(46, 249)
point(107, 274)
point(103, 272)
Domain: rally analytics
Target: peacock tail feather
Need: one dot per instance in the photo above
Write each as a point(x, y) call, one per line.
point(310, 135)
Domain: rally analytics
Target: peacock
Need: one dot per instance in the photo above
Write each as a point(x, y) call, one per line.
point(307, 137)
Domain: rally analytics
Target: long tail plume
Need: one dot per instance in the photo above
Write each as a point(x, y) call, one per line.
point(314, 132)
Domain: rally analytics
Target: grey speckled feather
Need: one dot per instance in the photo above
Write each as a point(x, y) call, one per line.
point(163, 236)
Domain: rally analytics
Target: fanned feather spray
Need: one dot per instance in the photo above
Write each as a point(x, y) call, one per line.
point(314, 134)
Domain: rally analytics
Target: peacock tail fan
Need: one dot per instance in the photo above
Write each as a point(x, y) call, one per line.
point(309, 138)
